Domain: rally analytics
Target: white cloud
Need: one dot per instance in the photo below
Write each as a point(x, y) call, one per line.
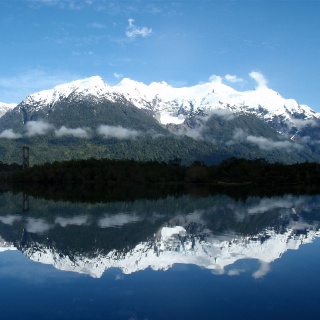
point(262, 142)
point(118, 220)
point(301, 123)
point(38, 128)
point(233, 78)
point(194, 133)
point(239, 134)
point(266, 204)
point(269, 144)
point(74, 221)
point(10, 219)
point(235, 272)
point(215, 79)
point(133, 31)
point(77, 132)
point(263, 270)
point(117, 75)
point(308, 139)
point(259, 78)
point(117, 132)
point(9, 134)
point(37, 225)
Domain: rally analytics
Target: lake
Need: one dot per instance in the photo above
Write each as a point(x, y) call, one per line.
point(172, 257)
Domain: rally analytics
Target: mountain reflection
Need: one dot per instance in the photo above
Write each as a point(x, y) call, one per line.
point(213, 232)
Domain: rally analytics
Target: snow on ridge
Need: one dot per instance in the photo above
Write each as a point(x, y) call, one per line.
point(93, 86)
point(5, 107)
point(168, 102)
point(172, 245)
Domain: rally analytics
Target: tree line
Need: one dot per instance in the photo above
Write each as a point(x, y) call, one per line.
point(232, 171)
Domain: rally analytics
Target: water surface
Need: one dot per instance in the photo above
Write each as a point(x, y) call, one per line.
point(183, 257)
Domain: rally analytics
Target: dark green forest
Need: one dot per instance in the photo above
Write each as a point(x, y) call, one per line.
point(230, 172)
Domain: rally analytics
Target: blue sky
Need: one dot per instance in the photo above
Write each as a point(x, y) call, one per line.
point(48, 42)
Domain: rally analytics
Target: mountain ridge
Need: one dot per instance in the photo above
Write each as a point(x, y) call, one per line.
point(175, 245)
point(161, 97)
point(255, 123)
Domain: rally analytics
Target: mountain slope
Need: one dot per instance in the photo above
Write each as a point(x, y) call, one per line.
point(206, 122)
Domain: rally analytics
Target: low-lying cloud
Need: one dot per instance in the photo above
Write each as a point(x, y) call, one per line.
point(10, 219)
point(262, 142)
point(38, 128)
point(301, 123)
point(37, 225)
point(239, 134)
point(118, 220)
point(41, 127)
point(79, 220)
point(191, 133)
point(269, 144)
point(10, 134)
point(117, 132)
point(268, 204)
point(77, 132)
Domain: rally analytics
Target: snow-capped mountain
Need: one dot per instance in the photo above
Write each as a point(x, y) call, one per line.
point(213, 233)
point(174, 105)
point(173, 245)
point(93, 87)
point(221, 121)
point(5, 107)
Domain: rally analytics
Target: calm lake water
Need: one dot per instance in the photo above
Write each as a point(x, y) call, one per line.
point(183, 257)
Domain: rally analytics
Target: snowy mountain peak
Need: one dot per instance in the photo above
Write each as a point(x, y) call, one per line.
point(173, 245)
point(170, 102)
point(4, 107)
point(127, 82)
point(174, 105)
point(95, 82)
point(92, 86)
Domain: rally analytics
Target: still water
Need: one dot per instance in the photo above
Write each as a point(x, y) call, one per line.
point(185, 257)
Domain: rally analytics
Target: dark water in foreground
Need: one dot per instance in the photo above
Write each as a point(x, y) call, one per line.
point(172, 258)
